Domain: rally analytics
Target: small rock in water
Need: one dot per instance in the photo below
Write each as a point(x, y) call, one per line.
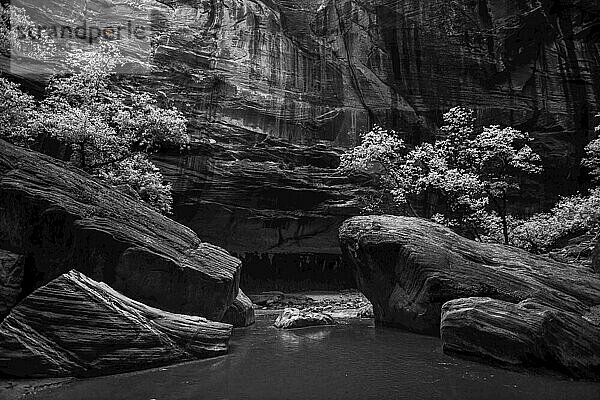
point(292, 318)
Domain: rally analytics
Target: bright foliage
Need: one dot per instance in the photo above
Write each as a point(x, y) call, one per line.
point(463, 179)
point(108, 134)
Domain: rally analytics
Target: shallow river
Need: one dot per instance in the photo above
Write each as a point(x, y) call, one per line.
point(348, 361)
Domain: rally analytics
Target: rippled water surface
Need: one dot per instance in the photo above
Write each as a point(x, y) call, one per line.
point(348, 361)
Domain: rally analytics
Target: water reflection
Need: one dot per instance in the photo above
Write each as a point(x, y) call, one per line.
point(356, 361)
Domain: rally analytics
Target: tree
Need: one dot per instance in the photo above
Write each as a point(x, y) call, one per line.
point(592, 158)
point(470, 175)
point(17, 108)
point(573, 217)
point(16, 112)
point(108, 134)
point(500, 158)
point(378, 154)
point(19, 36)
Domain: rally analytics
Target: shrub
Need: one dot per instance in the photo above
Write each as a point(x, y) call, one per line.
point(571, 216)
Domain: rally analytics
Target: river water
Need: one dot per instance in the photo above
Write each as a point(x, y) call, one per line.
point(353, 360)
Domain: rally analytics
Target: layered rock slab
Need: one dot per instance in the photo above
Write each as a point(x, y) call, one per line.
point(62, 218)
point(75, 326)
point(241, 312)
point(527, 333)
point(408, 268)
point(495, 302)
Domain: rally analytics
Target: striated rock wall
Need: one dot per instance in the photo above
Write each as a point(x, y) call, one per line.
point(276, 207)
point(315, 73)
point(314, 70)
point(276, 88)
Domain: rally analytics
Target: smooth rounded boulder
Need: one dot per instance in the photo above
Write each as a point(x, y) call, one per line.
point(292, 318)
point(409, 267)
point(489, 301)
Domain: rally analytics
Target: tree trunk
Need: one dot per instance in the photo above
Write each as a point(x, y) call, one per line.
point(505, 228)
point(504, 219)
point(82, 156)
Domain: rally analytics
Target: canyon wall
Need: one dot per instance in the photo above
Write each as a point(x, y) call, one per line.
point(276, 89)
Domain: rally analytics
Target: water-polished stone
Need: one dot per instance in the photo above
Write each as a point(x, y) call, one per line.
point(75, 326)
point(292, 318)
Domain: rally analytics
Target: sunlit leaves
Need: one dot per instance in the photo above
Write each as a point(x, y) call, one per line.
point(16, 112)
point(148, 125)
point(107, 134)
point(469, 174)
point(139, 173)
point(19, 36)
point(570, 216)
point(379, 150)
point(592, 159)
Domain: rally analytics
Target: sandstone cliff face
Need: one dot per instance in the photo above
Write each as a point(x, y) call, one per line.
point(318, 72)
point(318, 69)
point(269, 204)
point(265, 81)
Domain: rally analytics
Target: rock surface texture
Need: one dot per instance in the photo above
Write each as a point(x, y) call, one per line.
point(61, 219)
point(494, 301)
point(292, 318)
point(12, 271)
point(275, 88)
point(279, 87)
point(528, 333)
point(241, 312)
point(75, 326)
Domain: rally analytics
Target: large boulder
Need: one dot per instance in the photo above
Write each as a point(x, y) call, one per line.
point(409, 267)
point(62, 218)
point(12, 271)
point(494, 302)
point(526, 333)
point(75, 326)
point(241, 312)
